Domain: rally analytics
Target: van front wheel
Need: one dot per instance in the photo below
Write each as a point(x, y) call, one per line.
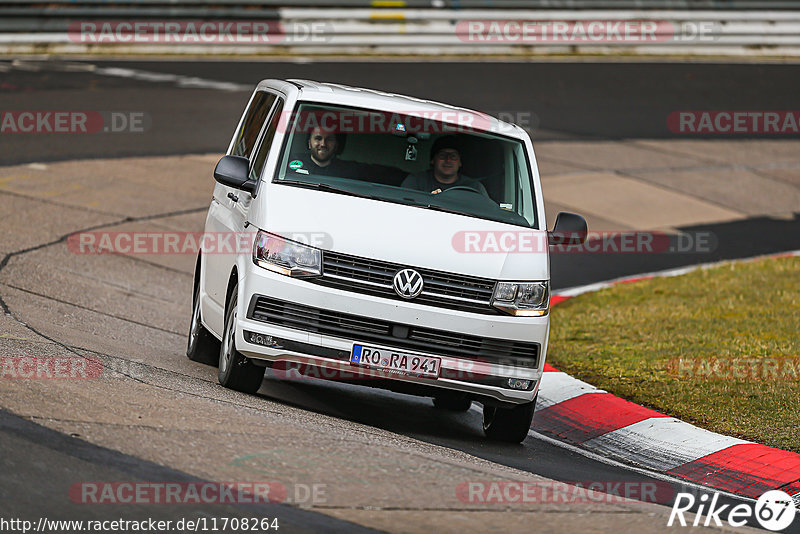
point(236, 371)
point(508, 424)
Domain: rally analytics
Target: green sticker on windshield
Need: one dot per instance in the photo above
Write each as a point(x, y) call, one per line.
point(295, 164)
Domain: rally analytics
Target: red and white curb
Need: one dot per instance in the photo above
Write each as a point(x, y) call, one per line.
point(580, 414)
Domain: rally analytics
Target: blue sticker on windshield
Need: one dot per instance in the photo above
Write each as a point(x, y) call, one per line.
point(295, 164)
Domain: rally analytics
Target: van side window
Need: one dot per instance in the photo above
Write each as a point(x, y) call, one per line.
point(254, 119)
point(266, 142)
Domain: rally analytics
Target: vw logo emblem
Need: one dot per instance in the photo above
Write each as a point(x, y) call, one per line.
point(408, 283)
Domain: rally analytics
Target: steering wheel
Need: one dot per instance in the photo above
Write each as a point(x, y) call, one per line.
point(461, 188)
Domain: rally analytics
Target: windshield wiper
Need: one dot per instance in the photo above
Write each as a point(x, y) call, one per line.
point(325, 187)
point(436, 207)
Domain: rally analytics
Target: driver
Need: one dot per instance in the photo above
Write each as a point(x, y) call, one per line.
point(444, 172)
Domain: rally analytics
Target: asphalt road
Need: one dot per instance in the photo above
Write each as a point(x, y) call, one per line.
point(556, 100)
point(565, 101)
point(40, 466)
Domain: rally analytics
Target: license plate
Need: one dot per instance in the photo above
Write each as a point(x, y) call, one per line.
point(396, 361)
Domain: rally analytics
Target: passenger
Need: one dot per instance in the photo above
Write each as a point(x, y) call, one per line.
point(324, 147)
point(445, 170)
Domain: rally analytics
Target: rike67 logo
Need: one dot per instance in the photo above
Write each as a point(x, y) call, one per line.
point(774, 510)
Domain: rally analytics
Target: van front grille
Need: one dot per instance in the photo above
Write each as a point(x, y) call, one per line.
point(375, 277)
point(398, 336)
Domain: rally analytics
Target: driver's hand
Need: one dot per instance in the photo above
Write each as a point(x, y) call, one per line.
point(436, 191)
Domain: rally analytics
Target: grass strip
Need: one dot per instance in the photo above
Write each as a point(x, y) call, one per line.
point(718, 347)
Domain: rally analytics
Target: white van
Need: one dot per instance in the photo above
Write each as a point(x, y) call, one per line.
point(381, 240)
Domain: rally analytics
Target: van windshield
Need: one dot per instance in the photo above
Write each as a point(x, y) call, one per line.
point(438, 160)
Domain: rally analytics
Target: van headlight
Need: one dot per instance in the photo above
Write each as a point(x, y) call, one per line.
point(523, 299)
point(286, 257)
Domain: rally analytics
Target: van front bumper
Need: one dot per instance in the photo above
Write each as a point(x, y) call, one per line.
point(313, 327)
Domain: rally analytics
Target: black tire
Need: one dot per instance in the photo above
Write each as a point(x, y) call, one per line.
point(201, 346)
point(235, 371)
point(453, 404)
point(508, 424)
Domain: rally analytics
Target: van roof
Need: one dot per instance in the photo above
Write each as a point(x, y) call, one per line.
point(333, 93)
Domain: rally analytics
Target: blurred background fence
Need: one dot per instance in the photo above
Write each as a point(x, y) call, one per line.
point(428, 27)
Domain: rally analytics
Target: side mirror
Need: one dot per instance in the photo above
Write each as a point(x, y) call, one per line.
point(570, 229)
point(234, 171)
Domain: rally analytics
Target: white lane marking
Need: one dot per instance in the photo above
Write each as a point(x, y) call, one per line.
point(660, 443)
point(588, 288)
point(136, 74)
point(73, 67)
point(179, 80)
point(641, 470)
point(44, 65)
point(560, 387)
point(190, 82)
point(212, 84)
point(575, 291)
point(25, 65)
